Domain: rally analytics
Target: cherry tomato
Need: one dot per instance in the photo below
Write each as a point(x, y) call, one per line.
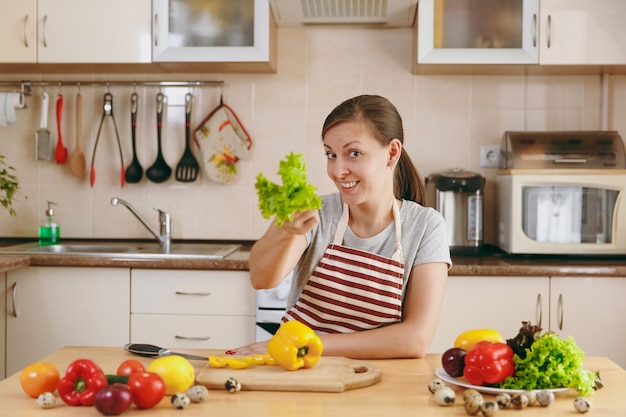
point(130, 366)
point(38, 378)
point(147, 388)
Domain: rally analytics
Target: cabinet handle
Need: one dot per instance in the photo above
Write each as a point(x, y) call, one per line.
point(25, 32)
point(13, 292)
point(193, 337)
point(202, 293)
point(559, 312)
point(549, 32)
point(43, 31)
point(534, 30)
point(156, 30)
point(539, 311)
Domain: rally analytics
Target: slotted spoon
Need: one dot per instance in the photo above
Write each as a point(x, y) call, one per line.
point(187, 168)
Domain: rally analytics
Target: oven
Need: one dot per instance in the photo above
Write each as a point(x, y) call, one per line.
point(270, 308)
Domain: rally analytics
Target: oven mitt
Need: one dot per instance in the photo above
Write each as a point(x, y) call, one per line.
point(222, 141)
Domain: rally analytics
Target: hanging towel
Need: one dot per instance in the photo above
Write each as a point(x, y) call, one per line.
point(9, 101)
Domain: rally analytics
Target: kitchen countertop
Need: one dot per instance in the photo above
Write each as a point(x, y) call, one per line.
point(403, 391)
point(491, 262)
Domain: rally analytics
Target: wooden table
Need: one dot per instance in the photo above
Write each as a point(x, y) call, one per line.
point(403, 391)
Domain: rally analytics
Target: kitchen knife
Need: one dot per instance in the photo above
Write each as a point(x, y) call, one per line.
point(151, 351)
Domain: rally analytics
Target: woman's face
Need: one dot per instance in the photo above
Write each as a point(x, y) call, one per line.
point(358, 164)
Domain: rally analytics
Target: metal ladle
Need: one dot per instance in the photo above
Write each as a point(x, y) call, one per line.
point(159, 171)
point(134, 172)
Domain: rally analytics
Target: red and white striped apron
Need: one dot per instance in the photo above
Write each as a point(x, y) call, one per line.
point(351, 289)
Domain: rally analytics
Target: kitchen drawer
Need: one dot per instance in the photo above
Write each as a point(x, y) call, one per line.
point(192, 292)
point(189, 331)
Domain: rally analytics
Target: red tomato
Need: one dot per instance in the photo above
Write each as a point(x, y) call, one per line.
point(38, 378)
point(130, 366)
point(147, 388)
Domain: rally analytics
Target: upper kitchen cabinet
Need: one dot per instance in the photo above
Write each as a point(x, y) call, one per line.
point(79, 31)
point(18, 30)
point(214, 31)
point(546, 35)
point(582, 32)
point(477, 31)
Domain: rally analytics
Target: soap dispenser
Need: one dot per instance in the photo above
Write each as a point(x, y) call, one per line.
point(49, 231)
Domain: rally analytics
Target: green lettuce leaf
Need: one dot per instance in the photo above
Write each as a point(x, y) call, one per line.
point(551, 362)
point(296, 194)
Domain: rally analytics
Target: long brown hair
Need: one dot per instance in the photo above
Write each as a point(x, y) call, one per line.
point(384, 122)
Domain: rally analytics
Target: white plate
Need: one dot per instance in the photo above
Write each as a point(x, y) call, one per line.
point(487, 390)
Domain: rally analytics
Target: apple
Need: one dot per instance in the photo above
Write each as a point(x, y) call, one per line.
point(113, 399)
point(453, 361)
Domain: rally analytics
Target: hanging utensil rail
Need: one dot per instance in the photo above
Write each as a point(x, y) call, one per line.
point(26, 86)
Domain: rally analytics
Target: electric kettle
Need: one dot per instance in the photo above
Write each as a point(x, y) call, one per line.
point(458, 196)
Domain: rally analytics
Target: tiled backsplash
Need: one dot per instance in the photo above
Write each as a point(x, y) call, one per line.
point(447, 118)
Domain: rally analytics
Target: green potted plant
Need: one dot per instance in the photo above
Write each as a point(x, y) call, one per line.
point(8, 186)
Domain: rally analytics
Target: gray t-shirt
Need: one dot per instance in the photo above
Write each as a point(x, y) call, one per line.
point(424, 240)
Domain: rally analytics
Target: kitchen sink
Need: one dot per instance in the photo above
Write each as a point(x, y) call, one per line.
point(130, 250)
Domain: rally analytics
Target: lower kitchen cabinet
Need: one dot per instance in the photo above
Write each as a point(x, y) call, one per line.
point(590, 309)
point(500, 303)
point(192, 308)
point(51, 307)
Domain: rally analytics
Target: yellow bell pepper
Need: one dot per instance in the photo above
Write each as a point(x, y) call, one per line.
point(295, 345)
point(469, 338)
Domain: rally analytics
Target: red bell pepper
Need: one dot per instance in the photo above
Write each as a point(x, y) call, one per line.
point(489, 363)
point(82, 381)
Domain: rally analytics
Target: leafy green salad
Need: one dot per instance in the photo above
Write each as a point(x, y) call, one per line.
point(552, 362)
point(296, 194)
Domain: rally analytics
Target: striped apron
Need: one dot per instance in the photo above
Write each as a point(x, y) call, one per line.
point(350, 289)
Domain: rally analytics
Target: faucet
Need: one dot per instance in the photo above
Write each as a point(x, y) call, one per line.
point(165, 221)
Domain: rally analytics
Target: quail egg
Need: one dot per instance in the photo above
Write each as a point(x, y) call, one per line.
point(471, 392)
point(232, 385)
point(46, 400)
point(582, 405)
point(519, 401)
point(472, 403)
point(197, 393)
point(445, 396)
point(180, 400)
point(532, 397)
point(545, 398)
point(489, 408)
point(504, 400)
point(435, 384)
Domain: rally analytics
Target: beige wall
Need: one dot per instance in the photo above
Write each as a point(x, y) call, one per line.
point(447, 119)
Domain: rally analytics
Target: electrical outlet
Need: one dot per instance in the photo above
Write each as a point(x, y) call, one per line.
point(490, 156)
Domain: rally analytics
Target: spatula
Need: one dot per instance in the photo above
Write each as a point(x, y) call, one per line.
point(43, 145)
point(187, 168)
point(77, 158)
point(60, 155)
point(151, 351)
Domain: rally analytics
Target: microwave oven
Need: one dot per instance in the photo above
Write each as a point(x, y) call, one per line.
point(562, 193)
point(562, 214)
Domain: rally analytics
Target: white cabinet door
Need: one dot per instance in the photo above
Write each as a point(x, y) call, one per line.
point(79, 31)
point(18, 31)
point(477, 32)
point(572, 31)
point(499, 303)
point(192, 309)
point(52, 307)
point(593, 312)
point(211, 31)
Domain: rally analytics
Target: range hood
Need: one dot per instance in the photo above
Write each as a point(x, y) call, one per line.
point(387, 13)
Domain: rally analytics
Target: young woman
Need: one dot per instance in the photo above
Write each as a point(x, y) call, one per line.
point(370, 267)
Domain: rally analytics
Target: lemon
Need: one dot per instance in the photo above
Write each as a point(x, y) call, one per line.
point(176, 371)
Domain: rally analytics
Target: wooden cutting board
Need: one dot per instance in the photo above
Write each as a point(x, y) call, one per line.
point(330, 374)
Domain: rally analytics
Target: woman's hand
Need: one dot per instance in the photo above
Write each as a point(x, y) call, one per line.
point(258, 348)
point(302, 222)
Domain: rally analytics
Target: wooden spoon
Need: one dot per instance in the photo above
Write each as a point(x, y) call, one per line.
point(77, 158)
